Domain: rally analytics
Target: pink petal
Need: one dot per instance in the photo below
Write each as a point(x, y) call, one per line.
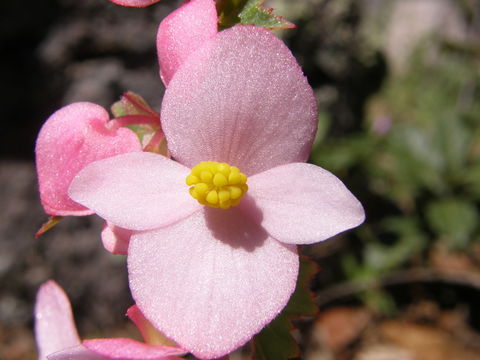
point(211, 281)
point(242, 99)
point(182, 32)
point(115, 239)
point(302, 203)
point(78, 352)
point(135, 3)
point(128, 349)
point(73, 137)
point(135, 191)
point(54, 325)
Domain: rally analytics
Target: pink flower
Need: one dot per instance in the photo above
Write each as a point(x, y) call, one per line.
point(57, 337)
point(211, 278)
point(71, 138)
point(135, 3)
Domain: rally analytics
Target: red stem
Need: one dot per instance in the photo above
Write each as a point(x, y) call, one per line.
point(137, 120)
point(140, 105)
point(156, 139)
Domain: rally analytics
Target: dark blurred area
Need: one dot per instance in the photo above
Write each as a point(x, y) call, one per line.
point(398, 87)
point(56, 52)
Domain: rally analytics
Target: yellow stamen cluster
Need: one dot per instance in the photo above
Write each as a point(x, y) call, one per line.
point(215, 184)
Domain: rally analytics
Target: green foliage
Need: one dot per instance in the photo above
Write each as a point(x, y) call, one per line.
point(471, 178)
point(302, 301)
point(428, 147)
point(248, 12)
point(419, 156)
point(255, 14)
point(275, 341)
point(380, 301)
point(405, 240)
point(454, 220)
point(131, 104)
point(408, 240)
point(346, 153)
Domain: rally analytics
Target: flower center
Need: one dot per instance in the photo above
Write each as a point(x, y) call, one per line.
point(215, 184)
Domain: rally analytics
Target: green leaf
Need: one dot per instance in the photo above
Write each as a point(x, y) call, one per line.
point(248, 12)
point(406, 240)
point(409, 240)
point(350, 265)
point(338, 155)
point(418, 162)
point(302, 302)
point(323, 126)
point(454, 220)
point(255, 14)
point(132, 104)
point(471, 178)
point(141, 130)
point(380, 301)
point(275, 341)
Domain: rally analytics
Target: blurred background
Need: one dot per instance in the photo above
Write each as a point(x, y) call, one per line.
point(398, 87)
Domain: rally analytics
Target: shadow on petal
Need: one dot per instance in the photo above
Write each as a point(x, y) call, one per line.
point(236, 228)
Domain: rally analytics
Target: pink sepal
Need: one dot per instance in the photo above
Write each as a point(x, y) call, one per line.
point(78, 352)
point(54, 325)
point(128, 349)
point(182, 32)
point(115, 239)
point(71, 138)
point(135, 3)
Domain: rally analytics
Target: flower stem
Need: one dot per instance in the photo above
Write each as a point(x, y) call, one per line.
point(136, 120)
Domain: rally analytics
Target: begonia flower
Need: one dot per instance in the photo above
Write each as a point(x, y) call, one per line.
point(212, 258)
point(135, 3)
point(57, 337)
point(71, 138)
